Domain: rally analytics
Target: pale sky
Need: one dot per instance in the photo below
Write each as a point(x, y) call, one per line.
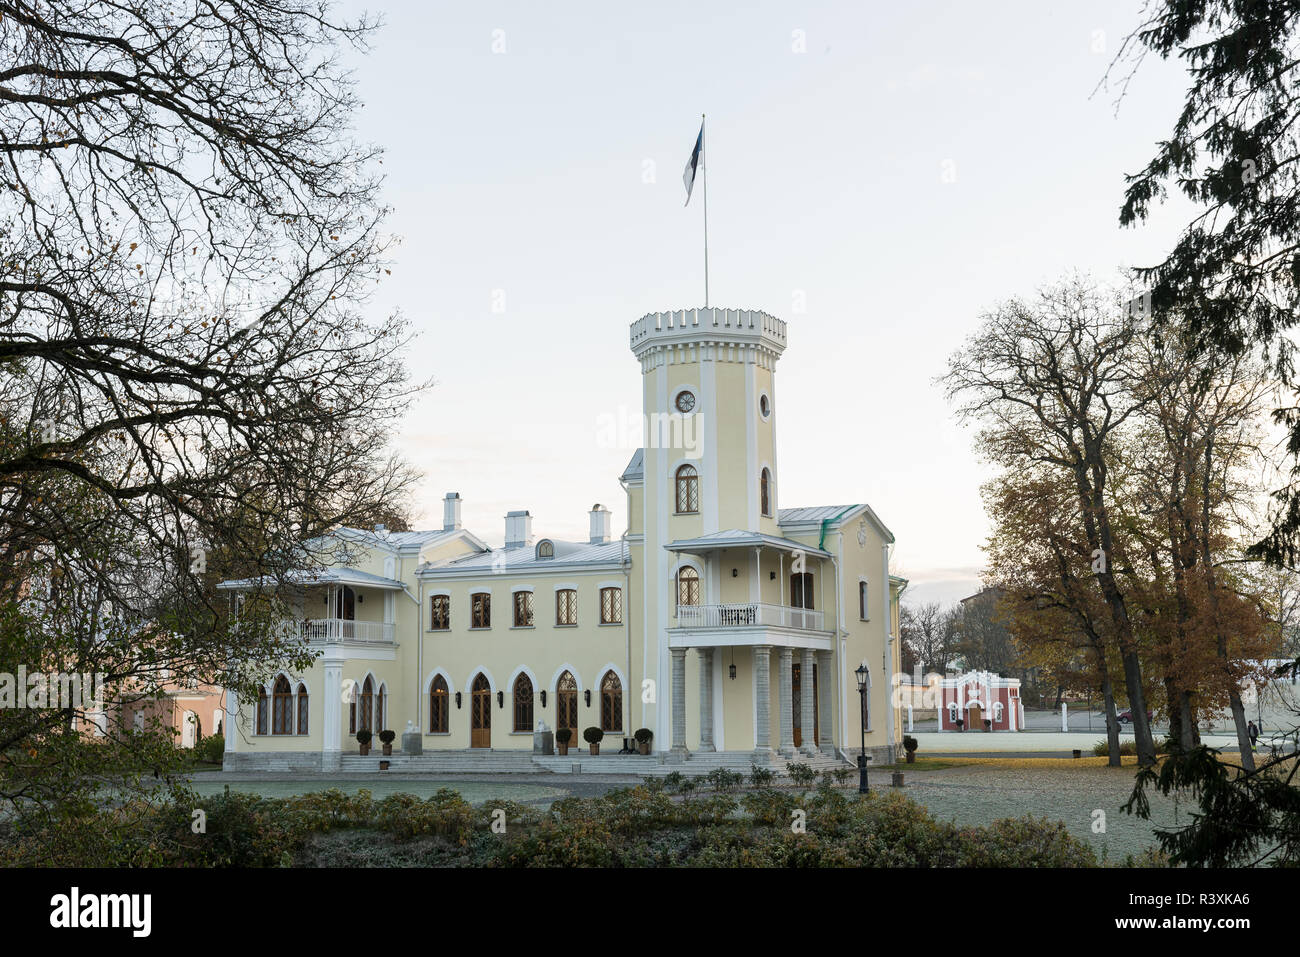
point(518, 180)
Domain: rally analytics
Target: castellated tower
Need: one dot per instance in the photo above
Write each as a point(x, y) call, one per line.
point(710, 465)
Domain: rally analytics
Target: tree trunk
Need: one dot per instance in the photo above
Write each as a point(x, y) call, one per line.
point(1112, 720)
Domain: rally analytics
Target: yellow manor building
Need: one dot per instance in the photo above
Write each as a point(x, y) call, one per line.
point(730, 628)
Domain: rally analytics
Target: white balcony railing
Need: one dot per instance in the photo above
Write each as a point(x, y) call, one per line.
point(331, 630)
point(747, 615)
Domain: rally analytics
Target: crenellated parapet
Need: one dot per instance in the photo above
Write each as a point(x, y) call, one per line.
point(724, 335)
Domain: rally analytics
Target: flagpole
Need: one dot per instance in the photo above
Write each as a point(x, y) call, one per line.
point(705, 157)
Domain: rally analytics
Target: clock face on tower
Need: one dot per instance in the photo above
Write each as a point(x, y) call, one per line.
point(685, 400)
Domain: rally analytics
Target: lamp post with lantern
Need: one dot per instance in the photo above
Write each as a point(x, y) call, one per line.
point(863, 677)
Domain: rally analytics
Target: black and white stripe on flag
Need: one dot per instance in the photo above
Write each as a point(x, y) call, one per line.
point(692, 165)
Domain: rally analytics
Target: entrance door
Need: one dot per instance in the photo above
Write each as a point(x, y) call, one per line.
point(817, 718)
point(480, 714)
point(795, 709)
point(976, 718)
point(566, 706)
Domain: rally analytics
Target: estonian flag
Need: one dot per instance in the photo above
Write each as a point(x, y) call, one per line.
point(697, 158)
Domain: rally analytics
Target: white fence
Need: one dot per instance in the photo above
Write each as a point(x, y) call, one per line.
point(747, 615)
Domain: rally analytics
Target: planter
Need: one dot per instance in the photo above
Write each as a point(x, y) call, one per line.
point(388, 750)
point(911, 757)
point(595, 750)
point(365, 749)
point(643, 747)
point(896, 779)
point(564, 748)
point(383, 765)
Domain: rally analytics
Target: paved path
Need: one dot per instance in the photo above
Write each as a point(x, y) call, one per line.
point(1051, 743)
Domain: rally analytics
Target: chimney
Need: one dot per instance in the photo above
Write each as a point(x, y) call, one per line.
point(519, 529)
point(451, 512)
point(599, 524)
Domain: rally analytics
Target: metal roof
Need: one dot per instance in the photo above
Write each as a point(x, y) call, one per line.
point(635, 467)
point(323, 576)
point(567, 555)
point(839, 514)
point(739, 538)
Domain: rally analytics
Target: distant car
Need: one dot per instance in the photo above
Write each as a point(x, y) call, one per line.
point(1126, 717)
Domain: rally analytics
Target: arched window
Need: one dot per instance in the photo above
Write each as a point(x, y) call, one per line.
point(688, 586)
point(345, 603)
point(611, 703)
point(262, 709)
point(864, 606)
point(523, 699)
point(282, 706)
point(438, 706)
point(366, 709)
point(566, 607)
point(381, 702)
point(302, 708)
point(688, 489)
point(997, 711)
point(545, 549)
point(566, 704)
point(765, 492)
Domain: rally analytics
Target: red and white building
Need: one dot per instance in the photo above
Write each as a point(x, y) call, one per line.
point(977, 697)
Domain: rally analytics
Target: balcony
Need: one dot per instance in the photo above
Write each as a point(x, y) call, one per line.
point(748, 615)
point(337, 630)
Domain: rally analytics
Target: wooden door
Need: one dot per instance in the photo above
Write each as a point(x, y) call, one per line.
point(480, 714)
point(975, 718)
point(817, 718)
point(796, 709)
point(566, 706)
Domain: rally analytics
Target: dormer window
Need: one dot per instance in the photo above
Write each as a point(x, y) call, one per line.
point(545, 549)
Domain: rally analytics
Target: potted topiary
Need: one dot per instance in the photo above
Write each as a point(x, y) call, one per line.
point(643, 738)
point(387, 737)
point(562, 738)
point(592, 736)
point(988, 725)
point(910, 744)
point(961, 724)
point(363, 739)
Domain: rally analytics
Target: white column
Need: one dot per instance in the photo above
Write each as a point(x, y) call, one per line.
point(807, 702)
point(332, 716)
point(679, 700)
point(786, 703)
point(825, 669)
point(909, 717)
point(1065, 716)
point(762, 703)
point(706, 699)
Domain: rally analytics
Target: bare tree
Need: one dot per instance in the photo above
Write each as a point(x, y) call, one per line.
point(189, 382)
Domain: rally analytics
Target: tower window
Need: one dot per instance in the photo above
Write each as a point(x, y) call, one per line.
point(688, 586)
point(688, 489)
point(765, 492)
point(685, 401)
point(764, 406)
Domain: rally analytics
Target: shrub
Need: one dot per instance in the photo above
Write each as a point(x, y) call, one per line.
point(363, 736)
point(723, 779)
point(592, 735)
point(1101, 749)
point(910, 743)
point(211, 749)
point(801, 774)
point(387, 737)
point(760, 777)
point(843, 776)
point(673, 780)
point(563, 735)
point(643, 735)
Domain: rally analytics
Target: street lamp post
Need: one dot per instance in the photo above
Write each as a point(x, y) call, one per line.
point(863, 675)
